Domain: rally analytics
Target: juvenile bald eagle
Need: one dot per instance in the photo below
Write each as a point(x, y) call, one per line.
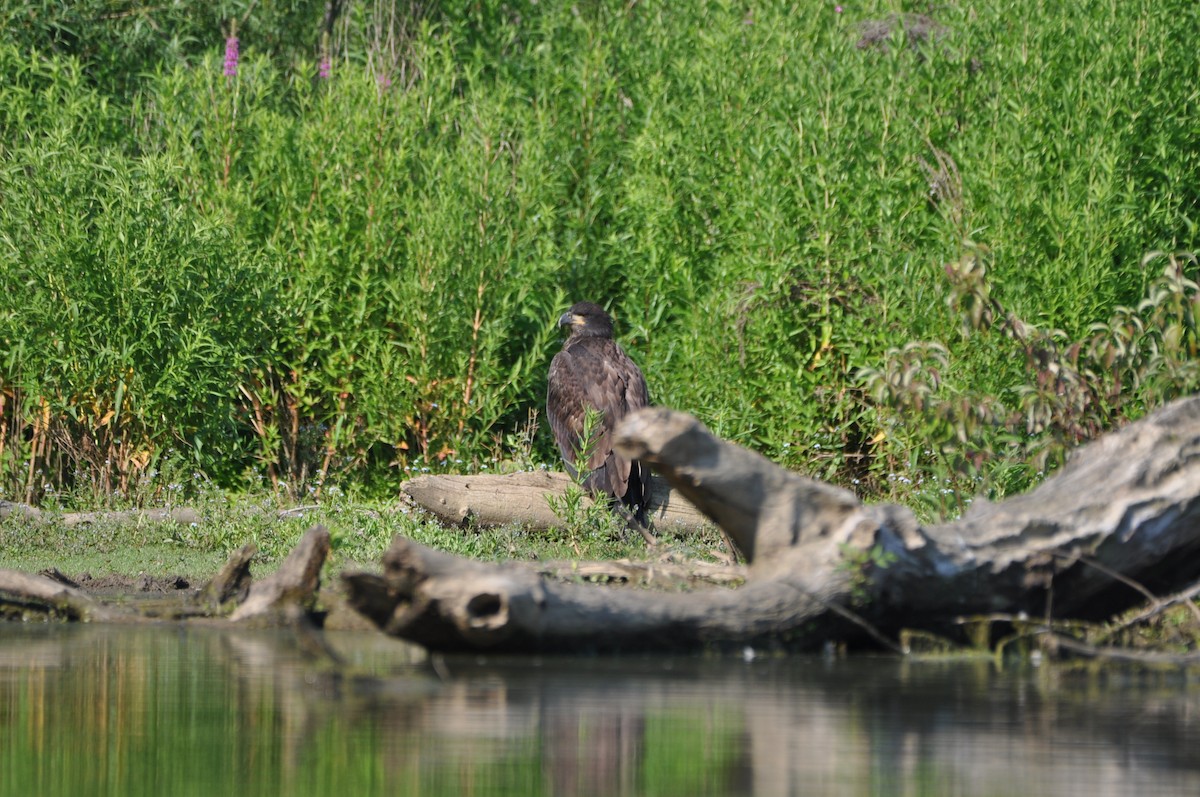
point(593, 371)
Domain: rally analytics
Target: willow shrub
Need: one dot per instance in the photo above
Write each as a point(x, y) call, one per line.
point(125, 314)
point(767, 198)
point(418, 293)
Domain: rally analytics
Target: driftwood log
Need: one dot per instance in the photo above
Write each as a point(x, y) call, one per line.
point(1122, 516)
point(25, 592)
point(495, 500)
point(281, 598)
point(180, 515)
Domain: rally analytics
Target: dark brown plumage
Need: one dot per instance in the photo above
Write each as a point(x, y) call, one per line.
point(593, 371)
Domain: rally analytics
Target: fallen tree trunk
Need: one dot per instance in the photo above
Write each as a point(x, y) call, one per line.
point(24, 593)
point(1125, 509)
point(498, 499)
point(293, 587)
point(278, 599)
point(180, 515)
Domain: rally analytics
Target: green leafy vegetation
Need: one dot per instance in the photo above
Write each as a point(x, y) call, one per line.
point(582, 517)
point(359, 533)
point(861, 565)
point(917, 254)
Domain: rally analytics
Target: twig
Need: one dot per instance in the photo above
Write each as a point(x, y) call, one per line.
point(874, 632)
point(632, 522)
point(1023, 620)
point(858, 620)
point(1157, 604)
point(296, 511)
point(1162, 605)
point(1108, 571)
point(1121, 654)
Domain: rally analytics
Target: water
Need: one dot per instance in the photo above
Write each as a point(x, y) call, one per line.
point(171, 711)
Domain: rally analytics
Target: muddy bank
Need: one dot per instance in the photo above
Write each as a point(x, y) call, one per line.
point(117, 585)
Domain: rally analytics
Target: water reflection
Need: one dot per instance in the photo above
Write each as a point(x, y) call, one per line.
point(86, 710)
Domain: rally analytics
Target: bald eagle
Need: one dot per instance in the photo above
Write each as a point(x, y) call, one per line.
point(593, 371)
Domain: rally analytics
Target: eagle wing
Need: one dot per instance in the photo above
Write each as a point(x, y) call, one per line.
point(595, 372)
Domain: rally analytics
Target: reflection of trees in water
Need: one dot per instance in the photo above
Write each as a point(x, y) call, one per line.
point(595, 752)
point(811, 727)
point(240, 710)
point(920, 727)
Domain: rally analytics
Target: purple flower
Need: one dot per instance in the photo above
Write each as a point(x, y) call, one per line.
point(837, 9)
point(384, 81)
point(326, 65)
point(231, 56)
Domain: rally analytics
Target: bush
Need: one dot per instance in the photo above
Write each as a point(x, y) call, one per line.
point(383, 214)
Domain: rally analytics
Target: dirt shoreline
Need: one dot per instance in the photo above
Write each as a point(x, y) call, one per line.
point(118, 584)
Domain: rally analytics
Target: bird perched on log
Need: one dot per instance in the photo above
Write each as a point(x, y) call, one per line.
point(593, 372)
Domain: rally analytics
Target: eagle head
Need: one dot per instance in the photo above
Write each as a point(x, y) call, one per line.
point(586, 319)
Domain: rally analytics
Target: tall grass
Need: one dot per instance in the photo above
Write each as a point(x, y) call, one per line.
point(346, 259)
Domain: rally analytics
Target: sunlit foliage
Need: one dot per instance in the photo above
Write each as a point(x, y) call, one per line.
point(334, 253)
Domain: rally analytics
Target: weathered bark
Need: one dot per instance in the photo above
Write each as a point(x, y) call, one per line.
point(180, 515)
point(661, 574)
point(1127, 504)
point(282, 598)
point(448, 603)
point(293, 585)
point(232, 584)
point(25, 593)
point(497, 499)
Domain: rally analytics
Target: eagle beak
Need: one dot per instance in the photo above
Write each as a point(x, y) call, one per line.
point(569, 320)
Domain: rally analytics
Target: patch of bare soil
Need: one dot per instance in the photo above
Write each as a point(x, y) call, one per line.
point(112, 584)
